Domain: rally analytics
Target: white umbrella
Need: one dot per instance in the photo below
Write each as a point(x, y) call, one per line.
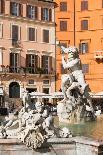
point(57, 95)
point(39, 94)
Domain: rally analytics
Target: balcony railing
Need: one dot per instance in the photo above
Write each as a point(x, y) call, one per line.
point(24, 70)
point(98, 54)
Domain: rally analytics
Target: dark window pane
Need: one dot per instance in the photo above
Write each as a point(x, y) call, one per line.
point(31, 63)
point(46, 14)
point(32, 12)
point(15, 34)
point(2, 6)
point(84, 25)
point(15, 9)
point(31, 34)
point(85, 68)
point(63, 25)
point(83, 48)
point(84, 5)
point(46, 36)
point(63, 6)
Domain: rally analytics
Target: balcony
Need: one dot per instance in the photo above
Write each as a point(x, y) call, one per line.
point(24, 70)
point(98, 54)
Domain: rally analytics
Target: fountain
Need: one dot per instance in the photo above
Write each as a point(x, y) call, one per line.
point(33, 131)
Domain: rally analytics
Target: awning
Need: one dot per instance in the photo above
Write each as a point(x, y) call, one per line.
point(1, 91)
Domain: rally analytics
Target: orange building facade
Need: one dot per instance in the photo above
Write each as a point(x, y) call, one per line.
point(80, 23)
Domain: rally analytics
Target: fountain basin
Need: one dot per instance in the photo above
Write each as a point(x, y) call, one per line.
point(54, 146)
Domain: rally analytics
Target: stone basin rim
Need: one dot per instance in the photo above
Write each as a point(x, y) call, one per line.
point(77, 139)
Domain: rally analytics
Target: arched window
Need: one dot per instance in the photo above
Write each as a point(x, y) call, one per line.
point(14, 90)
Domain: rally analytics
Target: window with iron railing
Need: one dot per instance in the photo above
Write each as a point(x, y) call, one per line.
point(46, 64)
point(14, 63)
point(32, 63)
point(16, 9)
point(32, 12)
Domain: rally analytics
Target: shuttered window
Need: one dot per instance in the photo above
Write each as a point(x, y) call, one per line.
point(63, 25)
point(14, 62)
point(83, 48)
point(63, 6)
point(15, 34)
point(32, 12)
point(16, 9)
point(2, 6)
point(84, 5)
point(46, 36)
point(31, 34)
point(84, 25)
point(46, 14)
point(85, 68)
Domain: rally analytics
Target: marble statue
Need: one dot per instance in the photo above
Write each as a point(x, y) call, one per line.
point(32, 126)
point(74, 87)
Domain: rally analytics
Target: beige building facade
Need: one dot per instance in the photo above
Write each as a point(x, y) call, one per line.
point(27, 47)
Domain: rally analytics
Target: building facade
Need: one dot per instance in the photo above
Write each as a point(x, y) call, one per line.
point(80, 23)
point(27, 47)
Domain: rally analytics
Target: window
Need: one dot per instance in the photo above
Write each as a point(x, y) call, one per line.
point(63, 6)
point(46, 64)
point(46, 14)
point(14, 90)
point(63, 71)
point(83, 48)
point(46, 91)
point(85, 68)
point(32, 63)
point(32, 12)
point(65, 43)
point(2, 6)
point(46, 82)
point(31, 82)
point(16, 9)
point(14, 62)
point(84, 5)
point(46, 36)
point(31, 34)
point(1, 30)
point(63, 25)
point(102, 3)
point(84, 25)
point(15, 34)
